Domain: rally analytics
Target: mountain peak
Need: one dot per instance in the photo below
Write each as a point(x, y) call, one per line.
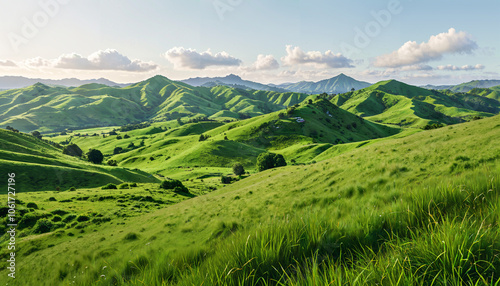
point(233, 76)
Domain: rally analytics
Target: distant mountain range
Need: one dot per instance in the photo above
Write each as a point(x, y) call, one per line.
point(466, 86)
point(338, 84)
point(11, 82)
point(55, 108)
point(231, 80)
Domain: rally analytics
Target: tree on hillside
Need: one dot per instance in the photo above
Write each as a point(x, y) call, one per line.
point(353, 89)
point(95, 156)
point(238, 169)
point(174, 185)
point(36, 134)
point(269, 160)
point(73, 150)
point(117, 150)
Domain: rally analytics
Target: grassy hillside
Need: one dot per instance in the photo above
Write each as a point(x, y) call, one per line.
point(492, 92)
point(393, 102)
point(175, 150)
point(41, 166)
point(467, 86)
point(426, 204)
point(47, 109)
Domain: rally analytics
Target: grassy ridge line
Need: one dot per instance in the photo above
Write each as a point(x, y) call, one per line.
point(356, 191)
point(50, 109)
point(394, 102)
point(40, 166)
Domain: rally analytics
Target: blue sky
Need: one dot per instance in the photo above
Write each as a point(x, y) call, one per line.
point(274, 41)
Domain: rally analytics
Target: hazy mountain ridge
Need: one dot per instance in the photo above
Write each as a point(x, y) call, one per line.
point(13, 82)
point(231, 80)
point(338, 84)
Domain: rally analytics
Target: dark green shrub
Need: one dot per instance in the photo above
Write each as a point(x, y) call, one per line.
point(82, 217)
point(171, 184)
point(112, 163)
point(117, 150)
point(95, 156)
point(225, 179)
point(32, 205)
point(124, 186)
point(109, 187)
point(30, 219)
point(59, 212)
point(269, 160)
point(131, 236)
point(69, 218)
point(43, 226)
point(238, 169)
point(52, 199)
point(56, 218)
point(133, 185)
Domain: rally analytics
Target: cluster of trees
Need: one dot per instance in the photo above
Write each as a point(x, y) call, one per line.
point(203, 137)
point(93, 155)
point(174, 185)
point(130, 127)
point(433, 126)
point(12, 129)
point(269, 160)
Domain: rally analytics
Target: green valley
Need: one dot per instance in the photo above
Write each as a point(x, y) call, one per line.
point(180, 197)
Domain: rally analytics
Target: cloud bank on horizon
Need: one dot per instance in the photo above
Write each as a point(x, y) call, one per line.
point(411, 56)
point(411, 53)
point(108, 59)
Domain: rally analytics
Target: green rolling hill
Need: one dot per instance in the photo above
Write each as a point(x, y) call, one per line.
point(492, 92)
point(467, 86)
point(423, 204)
point(393, 102)
point(43, 167)
point(44, 108)
point(163, 148)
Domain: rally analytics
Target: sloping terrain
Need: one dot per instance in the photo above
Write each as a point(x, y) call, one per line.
point(492, 92)
point(40, 166)
point(393, 102)
point(426, 204)
point(46, 109)
point(467, 86)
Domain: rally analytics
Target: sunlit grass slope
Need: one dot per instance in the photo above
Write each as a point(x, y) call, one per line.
point(394, 102)
point(40, 166)
point(417, 210)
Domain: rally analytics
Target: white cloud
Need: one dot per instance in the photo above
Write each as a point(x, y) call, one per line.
point(411, 53)
point(263, 63)
point(295, 56)
point(417, 68)
point(191, 59)
point(101, 60)
point(266, 63)
point(462, 68)
point(7, 63)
